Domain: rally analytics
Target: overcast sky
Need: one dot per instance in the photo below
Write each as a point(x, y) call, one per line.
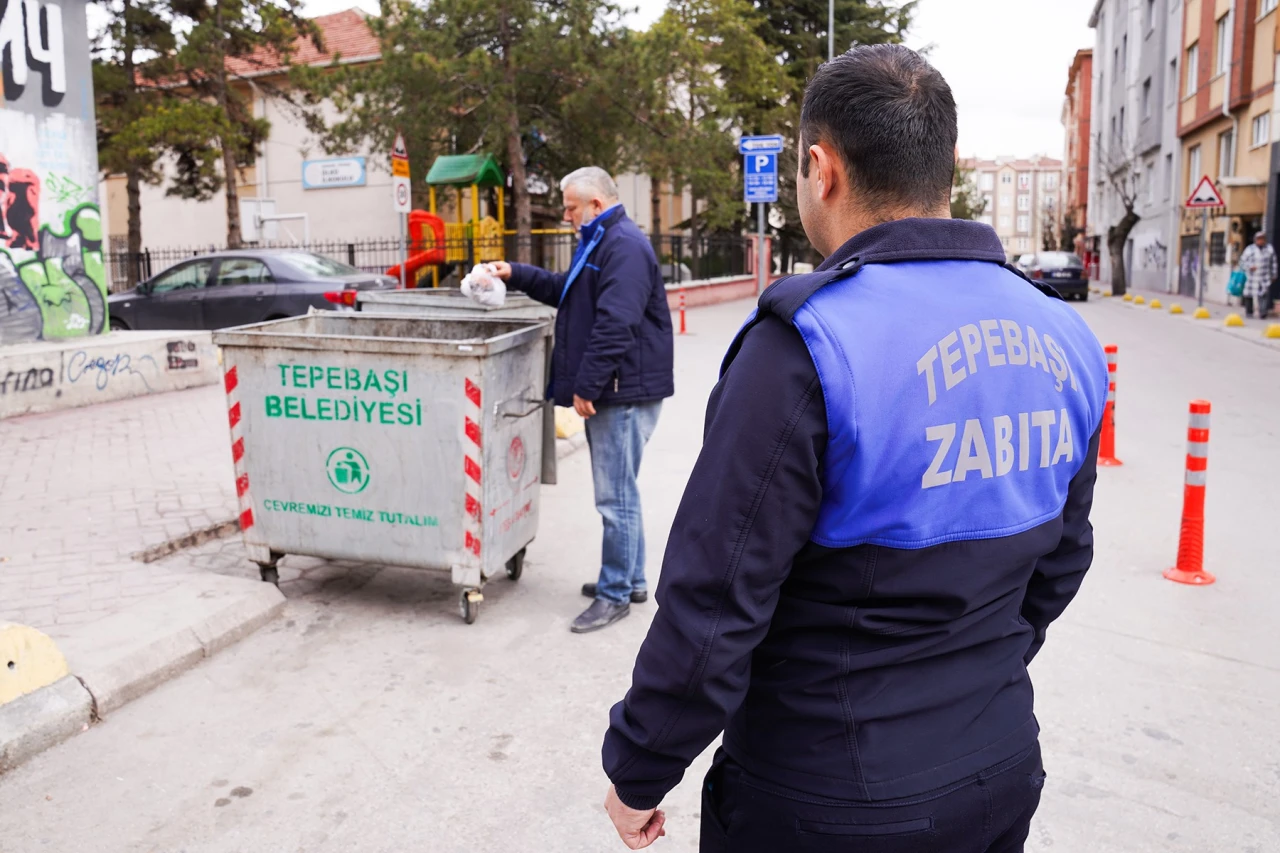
point(1006, 61)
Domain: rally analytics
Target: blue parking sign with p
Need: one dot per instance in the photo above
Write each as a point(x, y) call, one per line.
point(760, 177)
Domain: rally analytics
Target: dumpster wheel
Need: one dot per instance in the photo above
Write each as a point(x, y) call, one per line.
point(469, 604)
point(515, 566)
point(270, 574)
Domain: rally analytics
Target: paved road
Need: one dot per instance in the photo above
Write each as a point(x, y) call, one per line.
point(83, 490)
point(371, 719)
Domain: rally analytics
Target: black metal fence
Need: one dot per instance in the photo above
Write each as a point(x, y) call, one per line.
point(681, 257)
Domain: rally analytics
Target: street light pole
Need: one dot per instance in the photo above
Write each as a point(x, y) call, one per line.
point(831, 30)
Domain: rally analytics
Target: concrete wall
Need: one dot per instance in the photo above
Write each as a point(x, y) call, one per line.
point(53, 375)
point(52, 281)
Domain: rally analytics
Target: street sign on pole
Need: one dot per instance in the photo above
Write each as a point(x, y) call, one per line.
point(771, 144)
point(760, 178)
point(401, 195)
point(1205, 195)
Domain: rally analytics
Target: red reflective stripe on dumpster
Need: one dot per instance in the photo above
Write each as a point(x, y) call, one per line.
point(234, 415)
point(242, 485)
point(472, 469)
point(473, 431)
point(230, 380)
point(246, 519)
point(473, 507)
point(473, 392)
point(237, 450)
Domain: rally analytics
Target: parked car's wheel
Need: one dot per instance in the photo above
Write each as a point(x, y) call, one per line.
point(118, 325)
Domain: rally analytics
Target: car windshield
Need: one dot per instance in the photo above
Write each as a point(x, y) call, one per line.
point(1058, 260)
point(316, 266)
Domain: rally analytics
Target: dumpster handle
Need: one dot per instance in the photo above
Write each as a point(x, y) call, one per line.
point(534, 406)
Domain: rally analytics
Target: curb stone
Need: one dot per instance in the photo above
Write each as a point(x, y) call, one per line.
point(129, 653)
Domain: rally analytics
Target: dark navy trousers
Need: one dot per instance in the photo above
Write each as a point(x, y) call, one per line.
point(989, 812)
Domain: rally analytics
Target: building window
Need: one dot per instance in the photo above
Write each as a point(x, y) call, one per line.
point(1006, 178)
point(1192, 66)
point(1024, 224)
point(1146, 98)
point(1004, 222)
point(1173, 80)
point(1168, 175)
point(1222, 46)
point(1261, 128)
point(986, 181)
point(1124, 51)
point(1023, 243)
point(986, 202)
point(985, 219)
point(1225, 143)
point(1122, 124)
point(1150, 15)
point(1024, 202)
point(1193, 169)
point(1217, 248)
point(1004, 241)
point(1004, 202)
point(1268, 6)
point(1024, 180)
point(1049, 181)
point(1149, 182)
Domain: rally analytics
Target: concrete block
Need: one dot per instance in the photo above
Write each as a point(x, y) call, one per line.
point(129, 653)
point(32, 723)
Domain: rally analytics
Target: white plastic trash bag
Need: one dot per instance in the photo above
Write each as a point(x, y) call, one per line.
point(484, 287)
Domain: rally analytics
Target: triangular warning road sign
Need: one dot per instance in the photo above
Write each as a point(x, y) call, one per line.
point(1205, 195)
point(398, 151)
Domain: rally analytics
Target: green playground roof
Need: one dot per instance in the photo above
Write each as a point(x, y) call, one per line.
point(463, 170)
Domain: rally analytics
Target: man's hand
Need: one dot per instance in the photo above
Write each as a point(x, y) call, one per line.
point(586, 408)
point(500, 269)
point(637, 829)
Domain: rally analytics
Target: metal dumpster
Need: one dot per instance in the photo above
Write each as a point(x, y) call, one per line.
point(451, 301)
point(408, 441)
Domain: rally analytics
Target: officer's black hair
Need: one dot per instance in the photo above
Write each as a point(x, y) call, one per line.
point(891, 118)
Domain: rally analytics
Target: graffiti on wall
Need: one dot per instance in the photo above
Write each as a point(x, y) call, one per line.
point(53, 282)
point(1155, 256)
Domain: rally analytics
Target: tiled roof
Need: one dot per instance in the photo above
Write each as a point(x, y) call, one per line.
point(343, 33)
point(1020, 164)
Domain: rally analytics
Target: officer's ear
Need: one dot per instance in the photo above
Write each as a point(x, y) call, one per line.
point(825, 171)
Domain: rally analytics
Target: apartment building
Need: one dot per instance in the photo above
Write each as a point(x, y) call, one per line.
point(1076, 113)
point(1022, 199)
point(1134, 151)
point(1224, 123)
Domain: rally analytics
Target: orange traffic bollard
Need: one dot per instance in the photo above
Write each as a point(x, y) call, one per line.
point(682, 326)
point(1107, 441)
point(1190, 566)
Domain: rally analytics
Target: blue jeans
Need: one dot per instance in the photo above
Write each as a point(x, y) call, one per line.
point(617, 436)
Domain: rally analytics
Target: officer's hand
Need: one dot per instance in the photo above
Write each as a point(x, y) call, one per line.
point(637, 829)
point(586, 408)
point(500, 269)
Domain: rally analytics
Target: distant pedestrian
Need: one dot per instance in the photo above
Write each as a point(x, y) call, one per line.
point(613, 365)
point(889, 510)
point(1259, 265)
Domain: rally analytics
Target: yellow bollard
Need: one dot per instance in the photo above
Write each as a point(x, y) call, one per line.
point(1128, 297)
point(1175, 308)
point(1202, 313)
point(1155, 303)
point(1272, 331)
point(1234, 320)
point(1138, 300)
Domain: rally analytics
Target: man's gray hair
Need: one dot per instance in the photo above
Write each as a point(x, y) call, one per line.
point(591, 182)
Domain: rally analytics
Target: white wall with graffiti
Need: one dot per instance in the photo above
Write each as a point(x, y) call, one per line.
point(52, 280)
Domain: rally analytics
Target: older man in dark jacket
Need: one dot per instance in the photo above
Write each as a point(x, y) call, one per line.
point(613, 365)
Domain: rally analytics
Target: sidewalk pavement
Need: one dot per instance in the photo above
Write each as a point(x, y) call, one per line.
point(1252, 330)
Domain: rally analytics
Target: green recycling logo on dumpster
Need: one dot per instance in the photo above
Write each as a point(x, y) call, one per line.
point(348, 470)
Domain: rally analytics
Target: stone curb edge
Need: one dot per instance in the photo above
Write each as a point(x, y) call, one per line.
point(130, 653)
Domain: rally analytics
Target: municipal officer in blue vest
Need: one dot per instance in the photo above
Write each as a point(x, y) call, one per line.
point(613, 364)
point(890, 508)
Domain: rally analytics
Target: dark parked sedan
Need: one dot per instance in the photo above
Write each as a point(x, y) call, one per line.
point(234, 288)
point(1063, 270)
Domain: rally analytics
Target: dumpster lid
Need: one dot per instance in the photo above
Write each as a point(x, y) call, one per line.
point(406, 334)
point(463, 170)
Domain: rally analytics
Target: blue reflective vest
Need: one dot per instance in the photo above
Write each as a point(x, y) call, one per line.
point(985, 394)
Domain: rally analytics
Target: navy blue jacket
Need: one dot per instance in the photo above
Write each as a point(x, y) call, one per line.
point(613, 327)
point(862, 673)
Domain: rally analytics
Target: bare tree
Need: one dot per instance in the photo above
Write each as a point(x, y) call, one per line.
point(1123, 176)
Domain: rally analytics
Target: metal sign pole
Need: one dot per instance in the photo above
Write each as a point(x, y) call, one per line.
point(1204, 252)
point(404, 254)
point(762, 280)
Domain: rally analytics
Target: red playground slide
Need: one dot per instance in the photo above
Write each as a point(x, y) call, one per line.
point(434, 256)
